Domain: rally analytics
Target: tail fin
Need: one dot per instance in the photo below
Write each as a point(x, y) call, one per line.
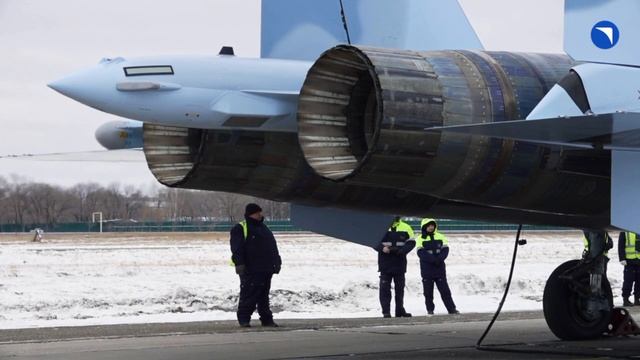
point(602, 31)
point(302, 29)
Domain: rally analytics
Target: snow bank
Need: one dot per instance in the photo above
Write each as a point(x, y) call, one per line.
point(107, 281)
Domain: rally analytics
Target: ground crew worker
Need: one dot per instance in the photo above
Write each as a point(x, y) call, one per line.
point(392, 265)
point(629, 255)
point(256, 258)
point(433, 249)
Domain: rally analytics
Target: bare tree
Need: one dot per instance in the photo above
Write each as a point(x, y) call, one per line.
point(4, 193)
point(133, 202)
point(47, 203)
point(232, 205)
point(274, 210)
point(17, 201)
point(24, 203)
point(206, 204)
point(83, 203)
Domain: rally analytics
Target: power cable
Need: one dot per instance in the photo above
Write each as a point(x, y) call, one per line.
point(501, 347)
point(506, 289)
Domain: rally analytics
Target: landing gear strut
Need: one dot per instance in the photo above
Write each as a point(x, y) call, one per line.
point(577, 300)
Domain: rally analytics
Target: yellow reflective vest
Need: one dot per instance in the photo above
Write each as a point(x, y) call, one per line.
point(401, 226)
point(245, 232)
point(630, 251)
point(436, 235)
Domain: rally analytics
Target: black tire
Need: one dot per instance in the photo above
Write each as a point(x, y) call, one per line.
point(562, 308)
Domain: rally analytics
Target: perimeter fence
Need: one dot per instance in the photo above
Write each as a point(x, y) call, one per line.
point(278, 226)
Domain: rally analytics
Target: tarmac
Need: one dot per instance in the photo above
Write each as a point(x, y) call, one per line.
point(518, 334)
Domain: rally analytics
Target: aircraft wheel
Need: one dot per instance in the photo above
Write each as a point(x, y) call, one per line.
point(564, 309)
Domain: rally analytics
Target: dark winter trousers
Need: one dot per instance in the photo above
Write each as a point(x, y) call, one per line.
point(254, 292)
point(443, 288)
point(631, 275)
point(385, 292)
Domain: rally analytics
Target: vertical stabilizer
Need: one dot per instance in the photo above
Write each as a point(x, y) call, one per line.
point(302, 29)
point(605, 31)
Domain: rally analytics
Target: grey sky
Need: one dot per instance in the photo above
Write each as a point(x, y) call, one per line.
point(43, 40)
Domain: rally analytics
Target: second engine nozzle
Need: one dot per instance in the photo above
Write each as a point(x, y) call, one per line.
point(362, 112)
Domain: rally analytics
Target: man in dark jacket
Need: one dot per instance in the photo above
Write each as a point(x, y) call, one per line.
point(256, 258)
point(433, 249)
point(392, 265)
point(629, 255)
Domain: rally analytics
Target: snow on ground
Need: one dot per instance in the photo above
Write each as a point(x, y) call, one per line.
point(138, 279)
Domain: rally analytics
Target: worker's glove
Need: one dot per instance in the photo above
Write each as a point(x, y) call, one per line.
point(623, 262)
point(276, 269)
point(240, 269)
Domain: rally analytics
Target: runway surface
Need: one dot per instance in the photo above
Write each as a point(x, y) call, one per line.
point(522, 334)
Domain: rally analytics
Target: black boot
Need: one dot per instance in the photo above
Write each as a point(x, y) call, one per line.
point(386, 315)
point(403, 314)
point(626, 302)
point(269, 323)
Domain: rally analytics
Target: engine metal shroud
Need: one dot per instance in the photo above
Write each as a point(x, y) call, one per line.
point(270, 165)
point(363, 112)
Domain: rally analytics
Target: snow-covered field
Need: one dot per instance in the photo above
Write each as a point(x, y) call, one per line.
point(136, 278)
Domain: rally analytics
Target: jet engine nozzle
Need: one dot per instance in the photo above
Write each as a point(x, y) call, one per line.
point(362, 105)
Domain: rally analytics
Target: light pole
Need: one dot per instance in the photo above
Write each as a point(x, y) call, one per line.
point(93, 218)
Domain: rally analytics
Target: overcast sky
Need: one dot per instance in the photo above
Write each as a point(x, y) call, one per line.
point(44, 40)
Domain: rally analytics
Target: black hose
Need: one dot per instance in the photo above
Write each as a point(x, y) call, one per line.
point(506, 291)
point(501, 348)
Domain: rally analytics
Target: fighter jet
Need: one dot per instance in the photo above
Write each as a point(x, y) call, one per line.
point(399, 125)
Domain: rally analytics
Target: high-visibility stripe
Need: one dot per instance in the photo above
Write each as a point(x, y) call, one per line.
point(245, 232)
point(437, 236)
point(630, 251)
point(401, 226)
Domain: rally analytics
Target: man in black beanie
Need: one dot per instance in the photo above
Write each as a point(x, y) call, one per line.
point(255, 255)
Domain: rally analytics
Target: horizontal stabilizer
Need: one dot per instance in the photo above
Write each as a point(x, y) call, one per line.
point(610, 131)
point(359, 227)
point(275, 93)
point(124, 155)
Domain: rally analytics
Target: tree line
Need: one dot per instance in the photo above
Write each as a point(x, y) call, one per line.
point(26, 203)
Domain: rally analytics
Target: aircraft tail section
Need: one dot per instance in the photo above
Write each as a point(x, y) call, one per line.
point(303, 29)
point(602, 31)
